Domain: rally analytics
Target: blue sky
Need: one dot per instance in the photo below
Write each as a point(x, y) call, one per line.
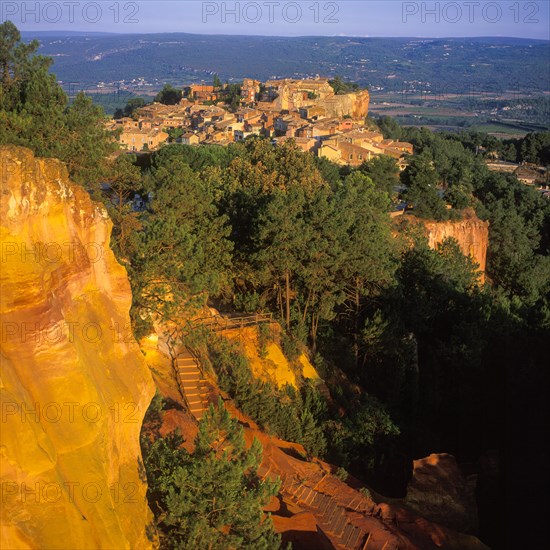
point(523, 18)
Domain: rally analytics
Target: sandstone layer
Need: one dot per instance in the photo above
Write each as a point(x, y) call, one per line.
point(73, 383)
point(471, 233)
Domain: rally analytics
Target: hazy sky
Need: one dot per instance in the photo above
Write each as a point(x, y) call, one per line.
point(529, 19)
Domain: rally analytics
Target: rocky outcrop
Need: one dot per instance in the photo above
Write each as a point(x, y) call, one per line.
point(439, 492)
point(471, 233)
point(73, 383)
point(268, 361)
point(293, 94)
point(354, 105)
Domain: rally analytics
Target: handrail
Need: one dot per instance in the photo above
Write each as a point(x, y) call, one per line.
point(228, 323)
point(217, 323)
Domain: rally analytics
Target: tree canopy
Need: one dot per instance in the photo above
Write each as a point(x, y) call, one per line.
point(213, 497)
point(36, 113)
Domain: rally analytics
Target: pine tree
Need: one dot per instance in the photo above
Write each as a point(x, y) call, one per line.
point(421, 180)
point(124, 179)
point(34, 112)
point(182, 252)
point(212, 498)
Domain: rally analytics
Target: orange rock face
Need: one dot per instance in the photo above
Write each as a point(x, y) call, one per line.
point(471, 233)
point(73, 384)
point(355, 105)
point(439, 492)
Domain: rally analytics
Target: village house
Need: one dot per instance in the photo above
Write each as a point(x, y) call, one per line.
point(305, 144)
point(373, 147)
point(267, 107)
point(250, 90)
point(146, 124)
point(189, 138)
point(330, 152)
point(354, 155)
point(247, 113)
point(202, 92)
point(255, 127)
point(346, 125)
point(225, 127)
point(287, 124)
point(325, 129)
point(401, 146)
point(156, 110)
point(305, 132)
point(135, 139)
point(312, 112)
point(241, 135)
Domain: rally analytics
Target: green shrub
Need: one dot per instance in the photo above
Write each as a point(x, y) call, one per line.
point(291, 347)
point(342, 474)
point(286, 413)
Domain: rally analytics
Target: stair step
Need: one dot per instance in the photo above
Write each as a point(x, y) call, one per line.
point(334, 521)
point(311, 497)
point(331, 512)
point(305, 494)
point(348, 531)
point(324, 504)
point(355, 538)
point(340, 524)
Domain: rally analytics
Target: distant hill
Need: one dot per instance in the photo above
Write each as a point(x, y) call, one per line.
point(461, 64)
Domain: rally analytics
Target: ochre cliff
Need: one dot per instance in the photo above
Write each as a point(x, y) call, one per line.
point(293, 94)
point(73, 383)
point(355, 105)
point(440, 492)
point(270, 363)
point(471, 233)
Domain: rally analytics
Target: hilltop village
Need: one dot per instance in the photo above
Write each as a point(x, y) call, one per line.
point(320, 120)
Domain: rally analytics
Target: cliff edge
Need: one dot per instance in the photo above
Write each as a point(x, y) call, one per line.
point(74, 386)
point(471, 233)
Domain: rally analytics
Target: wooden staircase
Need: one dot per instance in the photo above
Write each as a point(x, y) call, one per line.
point(191, 382)
point(332, 516)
